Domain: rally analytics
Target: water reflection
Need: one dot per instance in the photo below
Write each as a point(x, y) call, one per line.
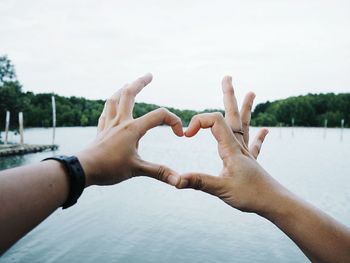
point(12, 161)
point(142, 220)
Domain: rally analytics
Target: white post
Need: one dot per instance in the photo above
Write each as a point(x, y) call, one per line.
point(7, 126)
point(20, 120)
point(53, 119)
point(293, 127)
point(325, 128)
point(341, 129)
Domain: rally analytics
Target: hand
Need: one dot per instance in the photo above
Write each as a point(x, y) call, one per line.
point(113, 157)
point(243, 183)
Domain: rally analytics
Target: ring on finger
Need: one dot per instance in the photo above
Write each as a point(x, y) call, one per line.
point(238, 131)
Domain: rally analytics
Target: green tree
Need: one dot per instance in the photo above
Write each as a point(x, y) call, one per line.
point(10, 92)
point(84, 121)
point(7, 71)
point(308, 110)
point(264, 119)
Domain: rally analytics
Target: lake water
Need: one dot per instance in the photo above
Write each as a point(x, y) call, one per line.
point(143, 220)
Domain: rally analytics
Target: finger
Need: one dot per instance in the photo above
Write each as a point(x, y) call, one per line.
point(255, 147)
point(101, 120)
point(110, 110)
point(127, 99)
point(231, 109)
point(158, 117)
point(203, 182)
point(216, 122)
point(101, 123)
point(116, 97)
point(161, 173)
point(246, 115)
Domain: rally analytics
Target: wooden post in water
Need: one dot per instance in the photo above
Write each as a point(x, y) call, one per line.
point(53, 119)
point(20, 120)
point(293, 127)
point(7, 126)
point(325, 128)
point(341, 129)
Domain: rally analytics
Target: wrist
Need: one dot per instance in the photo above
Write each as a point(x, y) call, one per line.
point(87, 162)
point(75, 173)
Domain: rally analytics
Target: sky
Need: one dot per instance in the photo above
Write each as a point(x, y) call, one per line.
point(91, 48)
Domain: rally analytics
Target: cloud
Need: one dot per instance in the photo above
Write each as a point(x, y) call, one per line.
point(91, 48)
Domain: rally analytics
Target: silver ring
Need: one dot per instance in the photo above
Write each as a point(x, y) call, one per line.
point(239, 132)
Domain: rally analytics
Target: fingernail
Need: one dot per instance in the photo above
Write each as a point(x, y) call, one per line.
point(186, 132)
point(148, 76)
point(173, 179)
point(229, 78)
point(183, 183)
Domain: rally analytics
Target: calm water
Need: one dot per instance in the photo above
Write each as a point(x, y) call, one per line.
point(143, 220)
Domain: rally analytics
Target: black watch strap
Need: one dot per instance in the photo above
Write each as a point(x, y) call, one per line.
point(76, 177)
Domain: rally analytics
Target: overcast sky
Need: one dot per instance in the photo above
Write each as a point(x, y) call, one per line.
point(90, 48)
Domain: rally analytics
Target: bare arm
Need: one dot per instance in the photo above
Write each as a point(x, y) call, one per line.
point(318, 235)
point(28, 195)
point(31, 193)
point(245, 185)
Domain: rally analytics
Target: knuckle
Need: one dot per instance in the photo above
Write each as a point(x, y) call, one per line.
point(236, 114)
point(198, 183)
point(162, 173)
point(162, 111)
point(178, 120)
point(128, 126)
point(195, 118)
point(111, 101)
point(127, 92)
point(229, 90)
point(116, 121)
point(245, 124)
point(218, 116)
point(120, 91)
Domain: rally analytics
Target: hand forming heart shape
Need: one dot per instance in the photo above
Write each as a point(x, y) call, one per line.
point(242, 183)
point(116, 147)
point(113, 156)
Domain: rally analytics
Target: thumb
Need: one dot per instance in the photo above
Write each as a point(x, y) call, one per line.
point(204, 182)
point(161, 173)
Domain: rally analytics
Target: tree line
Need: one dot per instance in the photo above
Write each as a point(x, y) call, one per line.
point(309, 110)
point(70, 111)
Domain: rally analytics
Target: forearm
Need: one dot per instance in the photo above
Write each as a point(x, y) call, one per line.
point(319, 236)
point(28, 195)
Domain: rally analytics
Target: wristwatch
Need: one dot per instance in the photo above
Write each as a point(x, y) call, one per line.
point(76, 176)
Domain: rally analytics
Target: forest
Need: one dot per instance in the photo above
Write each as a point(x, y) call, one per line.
point(309, 110)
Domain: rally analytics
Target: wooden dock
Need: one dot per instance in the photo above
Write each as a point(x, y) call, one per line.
point(19, 149)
